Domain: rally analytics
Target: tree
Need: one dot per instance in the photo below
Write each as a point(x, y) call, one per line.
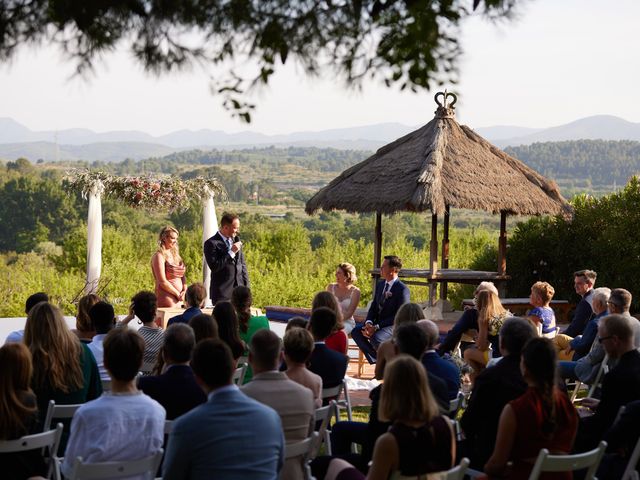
point(402, 42)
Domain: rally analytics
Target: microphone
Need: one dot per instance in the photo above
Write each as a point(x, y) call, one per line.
point(236, 239)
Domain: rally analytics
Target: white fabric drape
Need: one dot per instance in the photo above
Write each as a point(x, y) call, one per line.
point(209, 229)
point(94, 241)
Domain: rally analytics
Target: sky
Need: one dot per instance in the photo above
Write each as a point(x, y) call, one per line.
point(557, 62)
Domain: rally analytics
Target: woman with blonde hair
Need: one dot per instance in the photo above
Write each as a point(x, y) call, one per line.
point(420, 441)
point(64, 369)
point(542, 315)
point(18, 412)
point(84, 329)
point(491, 316)
point(168, 269)
point(347, 294)
point(407, 313)
point(338, 340)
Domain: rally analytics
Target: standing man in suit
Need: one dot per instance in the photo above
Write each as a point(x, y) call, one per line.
point(224, 255)
point(389, 296)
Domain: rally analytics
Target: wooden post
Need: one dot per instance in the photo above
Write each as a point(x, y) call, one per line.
point(502, 249)
point(445, 252)
point(433, 258)
point(377, 248)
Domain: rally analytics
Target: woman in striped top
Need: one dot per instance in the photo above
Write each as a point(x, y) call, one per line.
point(144, 306)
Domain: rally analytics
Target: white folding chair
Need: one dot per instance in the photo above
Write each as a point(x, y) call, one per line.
point(455, 405)
point(335, 392)
point(630, 472)
point(303, 449)
point(95, 471)
point(49, 439)
point(456, 473)
point(168, 427)
point(58, 412)
point(323, 415)
point(568, 463)
point(238, 375)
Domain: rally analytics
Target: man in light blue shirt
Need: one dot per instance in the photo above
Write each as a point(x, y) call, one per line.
point(123, 424)
point(103, 319)
point(231, 436)
point(18, 335)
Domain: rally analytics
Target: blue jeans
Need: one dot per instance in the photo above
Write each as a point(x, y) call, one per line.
point(567, 370)
point(369, 346)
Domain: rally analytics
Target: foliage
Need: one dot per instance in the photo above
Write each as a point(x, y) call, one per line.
point(597, 162)
point(145, 192)
point(601, 237)
point(405, 43)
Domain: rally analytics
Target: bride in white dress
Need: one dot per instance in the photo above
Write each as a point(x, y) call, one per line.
point(347, 293)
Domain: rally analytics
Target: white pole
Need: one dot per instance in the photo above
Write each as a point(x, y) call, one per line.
point(209, 229)
point(94, 240)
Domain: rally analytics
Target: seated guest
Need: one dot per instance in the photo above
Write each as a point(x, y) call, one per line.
point(408, 313)
point(583, 282)
point(436, 365)
point(330, 365)
point(18, 335)
point(84, 330)
point(296, 322)
point(621, 439)
point(123, 424)
point(242, 300)
point(542, 314)
point(176, 389)
point(298, 345)
point(620, 386)
point(491, 316)
point(103, 319)
point(541, 418)
point(468, 321)
point(586, 368)
point(18, 412)
point(576, 348)
point(410, 340)
point(231, 435)
point(194, 298)
point(144, 306)
point(293, 402)
point(389, 295)
point(420, 441)
point(494, 388)
point(204, 326)
point(64, 369)
point(347, 294)
point(228, 331)
point(337, 340)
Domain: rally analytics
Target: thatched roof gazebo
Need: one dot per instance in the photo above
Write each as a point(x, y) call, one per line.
point(441, 165)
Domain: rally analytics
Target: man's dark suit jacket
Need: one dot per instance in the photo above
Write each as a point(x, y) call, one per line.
point(176, 390)
point(329, 364)
point(619, 387)
point(494, 388)
point(621, 439)
point(444, 370)
point(226, 272)
point(382, 312)
point(581, 316)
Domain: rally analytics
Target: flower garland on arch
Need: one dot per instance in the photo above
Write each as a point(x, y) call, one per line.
point(159, 193)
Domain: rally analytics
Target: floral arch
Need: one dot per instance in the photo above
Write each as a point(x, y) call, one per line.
point(151, 193)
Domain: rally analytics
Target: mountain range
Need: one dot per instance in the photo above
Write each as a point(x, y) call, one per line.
point(17, 140)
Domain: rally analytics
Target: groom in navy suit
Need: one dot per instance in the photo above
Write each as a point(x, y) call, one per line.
point(389, 296)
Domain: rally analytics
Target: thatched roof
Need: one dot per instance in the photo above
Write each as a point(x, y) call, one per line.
point(442, 163)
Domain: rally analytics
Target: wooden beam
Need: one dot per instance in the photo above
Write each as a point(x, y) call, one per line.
point(377, 247)
point(445, 251)
point(502, 245)
point(433, 258)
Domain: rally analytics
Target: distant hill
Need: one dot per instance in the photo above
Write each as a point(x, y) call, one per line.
point(16, 140)
point(602, 162)
point(598, 127)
